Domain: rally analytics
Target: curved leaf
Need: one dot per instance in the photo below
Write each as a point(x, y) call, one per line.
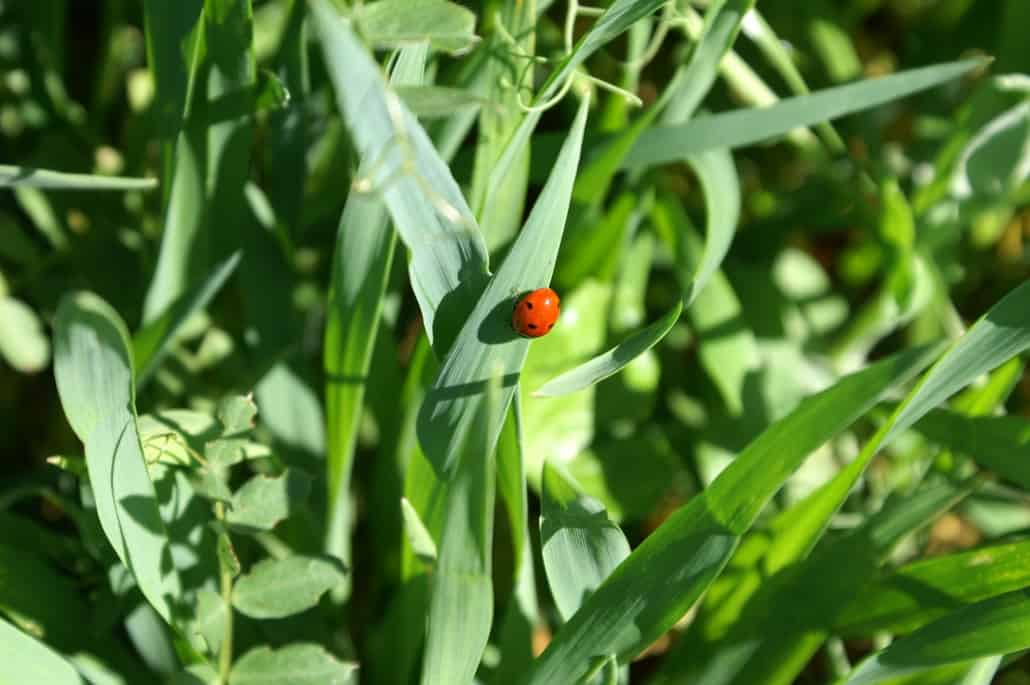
point(94, 371)
point(29, 177)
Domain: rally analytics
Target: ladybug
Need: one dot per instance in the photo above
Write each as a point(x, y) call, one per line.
point(536, 313)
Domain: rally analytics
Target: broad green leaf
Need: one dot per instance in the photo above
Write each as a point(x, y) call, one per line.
point(448, 257)
point(430, 102)
point(28, 177)
point(263, 501)
point(663, 577)
point(276, 588)
point(443, 24)
point(23, 343)
point(173, 40)
point(666, 144)
point(364, 250)
point(487, 341)
point(170, 435)
point(94, 371)
point(612, 361)
point(579, 543)
point(928, 589)
point(461, 603)
point(152, 343)
point(999, 625)
point(211, 616)
point(296, 664)
point(24, 659)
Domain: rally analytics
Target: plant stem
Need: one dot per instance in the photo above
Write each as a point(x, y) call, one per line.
point(225, 652)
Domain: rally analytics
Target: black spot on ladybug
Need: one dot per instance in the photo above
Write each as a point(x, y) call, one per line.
point(550, 326)
point(533, 326)
point(529, 305)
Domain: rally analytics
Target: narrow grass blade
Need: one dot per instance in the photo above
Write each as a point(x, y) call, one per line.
point(612, 361)
point(666, 144)
point(619, 16)
point(24, 659)
point(1002, 333)
point(579, 543)
point(776, 635)
point(151, 344)
point(928, 589)
point(486, 340)
point(998, 443)
point(449, 262)
point(365, 244)
point(1000, 625)
point(461, 603)
point(28, 177)
point(430, 102)
point(659, 581)
point(93, 366)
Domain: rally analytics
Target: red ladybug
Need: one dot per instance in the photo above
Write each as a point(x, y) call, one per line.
point(536, 313)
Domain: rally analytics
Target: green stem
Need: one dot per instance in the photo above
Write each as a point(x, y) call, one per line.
point(225, 652)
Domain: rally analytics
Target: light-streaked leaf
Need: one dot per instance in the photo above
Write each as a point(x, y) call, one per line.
point(296, 664)
point(94, 370)
point(151, 344)
point(928, 589)
point(998, 443)
point(487, 341)
point(579, 543)
point(28, 177)
point(612, 361)
point(663, 577)
point(662, 145)
point(24, 659)
point(276, 588)
point(1000, 625)
point(448, 257)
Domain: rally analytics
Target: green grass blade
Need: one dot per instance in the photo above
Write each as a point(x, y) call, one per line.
point(486, 340)
point(24, 659)
point(151, 344)
point(612, 361)
point(998, 443)
point(93, 366)
point(928, 589)
point(448, 257)
point(619, 16)
point(1000, 625)
point(579, 543)
point(365, 244)
point(461, 603)
point(659, 581)
point(1002, 333)
point(662, 145)
point(29, 177)
point(723, 21)
point(776, 635)
point(721, 188)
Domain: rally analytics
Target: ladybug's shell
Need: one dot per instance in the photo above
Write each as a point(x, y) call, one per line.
point(536, 313)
